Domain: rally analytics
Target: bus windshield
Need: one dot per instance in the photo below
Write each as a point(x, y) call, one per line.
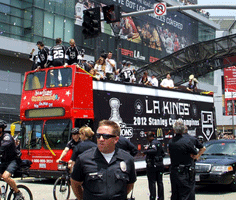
point(59, 77)
point(57, 133)
point(31, 135)
point(35, 81)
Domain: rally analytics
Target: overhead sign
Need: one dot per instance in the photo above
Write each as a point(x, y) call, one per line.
point(160, 9)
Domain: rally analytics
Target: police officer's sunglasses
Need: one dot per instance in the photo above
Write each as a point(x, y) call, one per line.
point(104, 136)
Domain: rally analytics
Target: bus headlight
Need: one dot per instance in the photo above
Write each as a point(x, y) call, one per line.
point(61, 167)
point(222, 168)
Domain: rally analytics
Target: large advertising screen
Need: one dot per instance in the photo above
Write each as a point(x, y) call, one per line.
point(147, 37)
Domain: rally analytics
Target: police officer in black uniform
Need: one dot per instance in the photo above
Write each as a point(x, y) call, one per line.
point(106, 172)
point(182, 153)
point(155, 168)
point(72, 54)
point(86, 136)
point(42, 55)
point(126, 145)
point(71, 144)
point(9, 161)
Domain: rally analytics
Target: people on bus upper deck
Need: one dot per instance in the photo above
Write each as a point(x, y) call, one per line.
point(34, 59)
point(9, 160)
point(57, 54)
point(192, 84)
point(42, 55)
point(154, 81)
point(100, 67)
point(167, 82)
point(72, 54)
point(86, 136)
point(127, 73)
point(145, 79)
point(71, 144)
point(110, 67)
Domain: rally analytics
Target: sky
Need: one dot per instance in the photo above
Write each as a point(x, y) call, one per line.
point(216, 12)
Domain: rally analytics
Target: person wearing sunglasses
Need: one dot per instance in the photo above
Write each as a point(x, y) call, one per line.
point(104, 172)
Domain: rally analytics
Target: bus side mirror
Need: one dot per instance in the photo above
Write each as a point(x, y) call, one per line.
point(13, 128)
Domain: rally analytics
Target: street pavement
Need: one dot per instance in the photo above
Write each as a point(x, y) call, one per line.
point(42, 189)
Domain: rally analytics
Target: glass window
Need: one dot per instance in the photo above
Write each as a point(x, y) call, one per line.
point(59, 77)
point(35, 81)
point(221, 148)
point(48, 25)
point(39, 3)
point(38, 19)
point(57, 133)
point(31, 135)
point(69, 29)
point(70, 8)
point(58, 28)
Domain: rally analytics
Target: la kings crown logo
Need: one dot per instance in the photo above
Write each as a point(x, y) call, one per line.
point(115, 116)
point(207, 124)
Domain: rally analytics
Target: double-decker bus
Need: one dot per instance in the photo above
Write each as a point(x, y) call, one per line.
point(54, 100)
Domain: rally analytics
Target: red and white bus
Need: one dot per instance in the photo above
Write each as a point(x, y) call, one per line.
point(54, 100)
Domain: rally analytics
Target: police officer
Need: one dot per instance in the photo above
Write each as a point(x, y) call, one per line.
point(71, 144)
point(106, 172)
point(126, 145)
point(9, 161)
point(86, 136)
point(182, 152)
point(196, 142)
point(155, 168)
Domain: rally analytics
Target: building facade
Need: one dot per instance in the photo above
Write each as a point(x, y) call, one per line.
point(142, 40)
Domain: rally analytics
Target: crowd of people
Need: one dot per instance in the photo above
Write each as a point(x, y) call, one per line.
point(105, 67)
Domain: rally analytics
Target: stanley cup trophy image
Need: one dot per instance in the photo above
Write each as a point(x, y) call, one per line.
point(115, 115)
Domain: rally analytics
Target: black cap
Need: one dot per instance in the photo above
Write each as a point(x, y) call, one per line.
point(129, 63)
point(123, 62)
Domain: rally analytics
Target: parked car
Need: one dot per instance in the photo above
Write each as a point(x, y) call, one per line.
point(218, 164)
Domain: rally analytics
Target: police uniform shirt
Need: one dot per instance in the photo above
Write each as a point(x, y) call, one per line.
point(180, 148)
point(72, 54)
point(57, 55)
point(194, 140)
point(102, 180)
point(155, 152)
point(42, 56)
point(126, 145)
point(71, 144)
point(82, 147)
point(7, 148)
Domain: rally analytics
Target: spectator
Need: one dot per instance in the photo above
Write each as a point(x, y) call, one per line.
point(72, 54)
point(42, 55)
point(100, 67)
point(57, 54)
point(34, 59)
point(86, 136)
point(192, 84)
point(167, 82)
point(127, 74)
point(71, 144)
point(154, 81)
point(110, 67)
point(145, 80)
point(105, 171)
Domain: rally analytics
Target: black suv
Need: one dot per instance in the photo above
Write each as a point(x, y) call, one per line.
point(218, 164)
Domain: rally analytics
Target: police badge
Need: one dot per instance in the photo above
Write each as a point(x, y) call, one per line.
point(123, 166)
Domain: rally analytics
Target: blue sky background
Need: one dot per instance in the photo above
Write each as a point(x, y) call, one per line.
point(216, 12)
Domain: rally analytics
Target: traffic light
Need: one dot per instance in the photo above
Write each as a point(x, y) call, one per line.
point(111, 13)
point(91, 23)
